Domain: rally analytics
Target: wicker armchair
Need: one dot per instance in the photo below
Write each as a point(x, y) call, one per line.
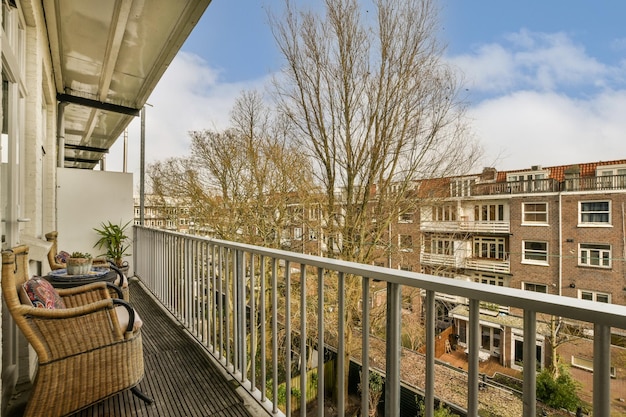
point(87, 351)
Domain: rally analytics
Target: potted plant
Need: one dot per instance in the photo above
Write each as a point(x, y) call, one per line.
point(114, 240)
point(79, 263)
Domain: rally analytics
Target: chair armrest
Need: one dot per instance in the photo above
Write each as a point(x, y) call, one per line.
point(131, 313)
point(64, 332)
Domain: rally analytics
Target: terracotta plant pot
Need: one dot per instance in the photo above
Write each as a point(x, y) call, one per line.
point(78, 266)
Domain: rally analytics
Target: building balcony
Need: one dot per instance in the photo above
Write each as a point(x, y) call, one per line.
point(502, 266)
point(465, 226)
point(546, 185)
point(448, 261)
point(605, 182)
point(234, 299)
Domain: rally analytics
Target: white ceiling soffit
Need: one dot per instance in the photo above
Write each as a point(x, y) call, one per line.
point(108, 55)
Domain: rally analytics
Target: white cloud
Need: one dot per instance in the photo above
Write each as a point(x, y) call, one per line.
point(189, 97)
point(529, 60)
point(534, 128)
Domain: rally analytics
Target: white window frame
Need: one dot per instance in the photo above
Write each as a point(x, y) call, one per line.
point(497, 243)
point(587, 365)
point(441, 246)
point(582, 223)
point(594, 296)
point(534, 212)
point(603, 257)
point(406, 217)
point(526, 286)
point(491, 279)
point(401, 244)
point(526, 251)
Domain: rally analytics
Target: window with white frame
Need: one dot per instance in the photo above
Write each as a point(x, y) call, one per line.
point(444, 213)
point(594, 212)
point(534, 213)
point(461, 187)
point(297, 233)
point(529, 286)
point(441, 246)
point(594, 255)
point(587, 364)
point(491, 279)
point(535, 252)
point(600, 297)
point(490, 247)
point(489, 212)
point(405, 218)
point(405, 243)
point(312, 234)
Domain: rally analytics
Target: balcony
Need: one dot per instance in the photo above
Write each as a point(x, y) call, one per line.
point(501, 266)
point(448, 261)
point(605, 182)
point(213, 288)
point(545, 185)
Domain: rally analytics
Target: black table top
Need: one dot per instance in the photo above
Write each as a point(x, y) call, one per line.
point(60, 278)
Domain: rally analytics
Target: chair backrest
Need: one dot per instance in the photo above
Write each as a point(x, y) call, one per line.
point(14, 274)
point(54, 250)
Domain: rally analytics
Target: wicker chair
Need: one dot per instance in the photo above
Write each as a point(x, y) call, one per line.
point(54, 249)
point(87, 351)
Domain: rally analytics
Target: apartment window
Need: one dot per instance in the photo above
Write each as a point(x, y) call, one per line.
point(312, 234)
point(535, 213)
point(529, 286)
point(405, 243)
point(444, 213)
point(297, 233)
point(535, 252)
point(441, 246)
point(595, 255)
point(489, 247)
point(587, 364)
point(490, 279)
point(461, 187)
point(597, 296)
point(595, 212)
point(405, 218)
point(489, 212)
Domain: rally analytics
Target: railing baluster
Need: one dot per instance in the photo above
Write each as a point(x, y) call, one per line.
point(472, 358)
point(365, 346)
point(263, 327)
point(392, 382)
point(530, 363)
point(288, 338)
point(429, 391)
point(220, 301)
point(274, 290)
point(253, 324)
point(320, 342)
point(341, 345)
point(303, 341)
point(601, 370)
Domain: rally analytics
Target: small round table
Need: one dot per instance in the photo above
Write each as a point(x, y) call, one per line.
point(60, 279)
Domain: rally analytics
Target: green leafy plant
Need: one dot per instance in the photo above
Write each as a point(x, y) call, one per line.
point(559, 392)
point(114, 240)
point(80, 255)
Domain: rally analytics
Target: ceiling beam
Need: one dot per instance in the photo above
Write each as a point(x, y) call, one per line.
point(87, 102)
point(85, 148)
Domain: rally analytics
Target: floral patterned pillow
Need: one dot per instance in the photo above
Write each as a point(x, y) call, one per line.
point(42, 294)
point(62, 257)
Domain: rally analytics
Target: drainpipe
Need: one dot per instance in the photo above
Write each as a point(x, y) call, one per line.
point(560, 242)
point(61, 134)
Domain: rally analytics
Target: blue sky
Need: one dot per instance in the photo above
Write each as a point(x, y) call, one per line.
point(545, 80)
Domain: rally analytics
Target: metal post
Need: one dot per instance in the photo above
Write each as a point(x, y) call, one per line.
point(472, 357)
point(303, 340)
point(429, 392)
point(142, 167)
point(341, 346)
point(320, 339)
point(601, 370)
point(365, 371)
point(392, 382)
point(530, 363)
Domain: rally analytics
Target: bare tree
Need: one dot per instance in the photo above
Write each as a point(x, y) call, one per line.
point(377, 110)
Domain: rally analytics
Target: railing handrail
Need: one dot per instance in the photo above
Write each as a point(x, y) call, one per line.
point(607, 314)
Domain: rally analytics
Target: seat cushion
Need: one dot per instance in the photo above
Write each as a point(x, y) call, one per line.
point(123, 317)
point(41, 294)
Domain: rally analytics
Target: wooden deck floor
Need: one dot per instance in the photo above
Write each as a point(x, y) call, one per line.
point(179, 376)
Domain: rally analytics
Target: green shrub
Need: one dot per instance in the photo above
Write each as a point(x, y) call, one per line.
point(559, 392)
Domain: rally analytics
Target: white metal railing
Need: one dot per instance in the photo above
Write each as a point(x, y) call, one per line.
point(502, 266)
point(214, 288)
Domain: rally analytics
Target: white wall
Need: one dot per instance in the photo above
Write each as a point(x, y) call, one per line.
point(87, 198)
